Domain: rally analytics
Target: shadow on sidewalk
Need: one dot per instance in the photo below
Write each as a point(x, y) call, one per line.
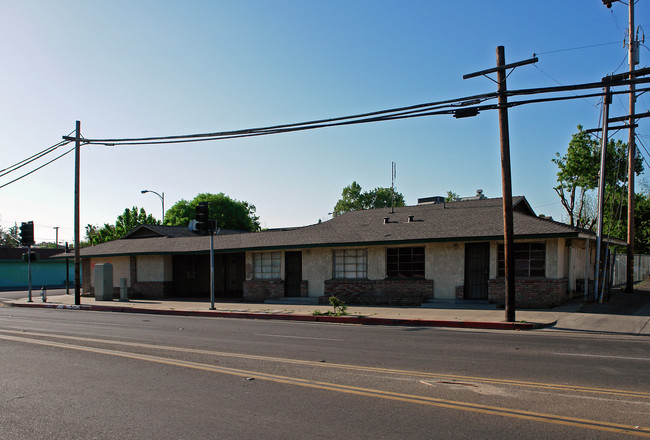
point(621, 303)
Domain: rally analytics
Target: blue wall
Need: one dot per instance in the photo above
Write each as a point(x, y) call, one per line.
point(48, 273)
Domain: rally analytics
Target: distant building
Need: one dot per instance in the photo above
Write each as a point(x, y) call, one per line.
point(46, 272)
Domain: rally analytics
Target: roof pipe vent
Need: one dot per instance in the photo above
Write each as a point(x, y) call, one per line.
point(386, 220)
point(410, 218)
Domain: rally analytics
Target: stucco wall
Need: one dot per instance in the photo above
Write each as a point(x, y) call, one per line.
point(316, 268)
point(376, 262)
point(445, 265)
point(121, 269)
point(154, 268)
point(554, 258)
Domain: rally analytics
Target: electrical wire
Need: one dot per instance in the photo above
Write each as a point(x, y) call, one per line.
point(459, 102)
point(576, 48)
point(644, 148)
point(560, 84)
point(32, 158)
point(36, 169)
point(428, 109)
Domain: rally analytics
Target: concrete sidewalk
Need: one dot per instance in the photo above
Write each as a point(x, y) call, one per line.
point(623, 314)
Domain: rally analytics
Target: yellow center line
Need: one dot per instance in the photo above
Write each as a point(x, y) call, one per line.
point(429, 375)
point(422, 400)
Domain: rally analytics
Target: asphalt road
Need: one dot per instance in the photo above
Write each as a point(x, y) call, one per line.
point(77, 374)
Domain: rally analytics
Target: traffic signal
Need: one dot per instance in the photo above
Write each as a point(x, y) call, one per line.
point(27, 233)
point(203, 218)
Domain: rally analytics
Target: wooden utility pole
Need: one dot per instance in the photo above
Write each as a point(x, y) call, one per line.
point(631, 155)
point(599, 279)
point(506, 182)
point(506, 187)
point(77, 255)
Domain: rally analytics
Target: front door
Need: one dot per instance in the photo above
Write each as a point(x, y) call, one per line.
point(292, 273)
point(477, 265)
point(234, 274)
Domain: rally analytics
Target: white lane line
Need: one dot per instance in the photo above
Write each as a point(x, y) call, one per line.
point(604, 356)
point(298, 337)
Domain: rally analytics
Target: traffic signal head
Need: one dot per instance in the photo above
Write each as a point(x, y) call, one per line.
point(27, 233)
point(203, 217)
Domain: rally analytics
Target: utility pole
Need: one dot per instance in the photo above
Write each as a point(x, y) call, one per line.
point(506, 181)
point(77, 255)
point(599, 280)
point(506, 187)
point(631, 154)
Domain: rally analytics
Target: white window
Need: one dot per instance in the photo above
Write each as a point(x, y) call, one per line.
point(351, 263)
point(266, 265)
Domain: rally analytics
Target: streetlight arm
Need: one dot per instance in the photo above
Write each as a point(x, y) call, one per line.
point(162, 201)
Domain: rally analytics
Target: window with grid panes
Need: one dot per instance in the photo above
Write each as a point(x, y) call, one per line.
point(266, 265)
point(351, 263)
point(530, 260)
point(406, 262)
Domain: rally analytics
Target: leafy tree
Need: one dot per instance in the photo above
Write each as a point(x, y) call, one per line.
point(578, 172)
point(354, 199)
point(615, 220)
point(229, 213)
point(452, 197)
point(124, 223)
point(9, 237)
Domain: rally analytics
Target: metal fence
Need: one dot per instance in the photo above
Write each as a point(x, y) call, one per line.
point(641, 268)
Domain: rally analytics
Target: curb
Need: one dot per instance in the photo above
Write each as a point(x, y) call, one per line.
point(359, 320)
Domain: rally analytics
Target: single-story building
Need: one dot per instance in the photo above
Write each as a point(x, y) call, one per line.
point(47, 272)
point(401, 256)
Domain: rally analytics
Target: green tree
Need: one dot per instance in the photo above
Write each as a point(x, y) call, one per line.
point(452, 197)
point(615, 220)
point(354, 199)
point(125, 222)
point(9, 237)
point(229, 213)
point(577, 176)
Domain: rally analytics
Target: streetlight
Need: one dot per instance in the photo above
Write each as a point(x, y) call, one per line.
point(162, 200)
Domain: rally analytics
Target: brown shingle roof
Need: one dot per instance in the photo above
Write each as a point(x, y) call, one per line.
point(475, 220)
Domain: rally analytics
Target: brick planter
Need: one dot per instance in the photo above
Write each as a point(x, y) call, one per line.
point(531, 292)
point(259, 290)
point(379, 292)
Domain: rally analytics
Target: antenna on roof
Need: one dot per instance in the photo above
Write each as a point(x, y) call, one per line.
point(392, 187)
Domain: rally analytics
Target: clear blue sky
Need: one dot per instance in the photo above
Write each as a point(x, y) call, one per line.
point(150, 68)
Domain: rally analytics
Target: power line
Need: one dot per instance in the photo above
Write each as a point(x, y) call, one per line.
point(36, 169)
point(459, 102)
point(576, 48)
point(32, 158)
point(645, 149)
point(428, 109)
point(559, 83)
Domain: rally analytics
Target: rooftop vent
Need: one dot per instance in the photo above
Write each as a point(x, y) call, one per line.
point(431, 200)
point(410, 218)
point(386, 219)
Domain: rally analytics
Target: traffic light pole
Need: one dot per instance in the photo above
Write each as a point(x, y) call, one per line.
point(29, 273)
point(211, 269)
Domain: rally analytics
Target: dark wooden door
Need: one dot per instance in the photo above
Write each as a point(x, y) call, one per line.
point(234, 274)
point(477, 265)
point(292, 273)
